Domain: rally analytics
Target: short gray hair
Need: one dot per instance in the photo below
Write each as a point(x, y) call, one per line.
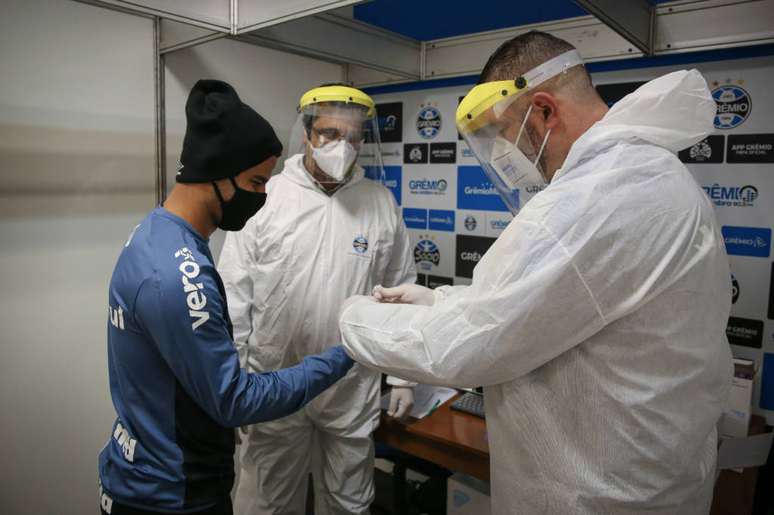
point(526, 51)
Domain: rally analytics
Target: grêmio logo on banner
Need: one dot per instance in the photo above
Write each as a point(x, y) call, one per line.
point(733, 105)
point(428, 121)
point(732, 196)
point(747, 241)
point(428, 186)
point(470, 223)
point(745, 332)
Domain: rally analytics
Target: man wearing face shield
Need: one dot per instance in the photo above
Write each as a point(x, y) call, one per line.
point(175, 378)
point(596, 321)
point(326, 233)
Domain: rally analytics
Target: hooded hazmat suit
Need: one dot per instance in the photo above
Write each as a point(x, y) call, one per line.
point(286, 276)
point(596, 323)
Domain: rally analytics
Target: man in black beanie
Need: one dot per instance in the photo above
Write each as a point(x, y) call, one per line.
point(175, 378)
point(224, 139)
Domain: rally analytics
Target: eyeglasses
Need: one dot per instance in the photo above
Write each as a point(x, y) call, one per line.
point(334, 134)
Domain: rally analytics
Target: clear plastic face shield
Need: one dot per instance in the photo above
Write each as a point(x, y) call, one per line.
point(336, 131)
point(494, 126)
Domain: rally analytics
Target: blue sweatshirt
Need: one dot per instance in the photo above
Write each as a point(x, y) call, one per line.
point(175, 379)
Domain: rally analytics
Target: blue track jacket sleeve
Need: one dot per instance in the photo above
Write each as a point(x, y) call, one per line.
point(183, 309)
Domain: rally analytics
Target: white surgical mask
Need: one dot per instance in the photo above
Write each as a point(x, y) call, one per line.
point(511, 164)
point(335, 158)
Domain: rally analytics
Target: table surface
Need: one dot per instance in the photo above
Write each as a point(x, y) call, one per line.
point(455, 428)
point(449, 438)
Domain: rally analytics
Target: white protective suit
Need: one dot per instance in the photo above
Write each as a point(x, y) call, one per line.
point(596, 323)
point(286, 275)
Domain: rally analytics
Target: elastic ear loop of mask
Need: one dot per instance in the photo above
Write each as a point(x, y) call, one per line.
point(542, 145)
point(217, 190)
point(523, 124)
point(540, 153)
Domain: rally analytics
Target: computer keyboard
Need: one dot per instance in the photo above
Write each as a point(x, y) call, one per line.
point(470, 403)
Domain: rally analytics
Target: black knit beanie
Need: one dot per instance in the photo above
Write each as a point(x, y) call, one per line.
point(223, 136)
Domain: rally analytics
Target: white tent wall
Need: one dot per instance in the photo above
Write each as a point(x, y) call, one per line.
point(269, 81)
point(77, 169)
point(76, 174)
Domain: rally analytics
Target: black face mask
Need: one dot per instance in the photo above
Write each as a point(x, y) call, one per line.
point(240, 208)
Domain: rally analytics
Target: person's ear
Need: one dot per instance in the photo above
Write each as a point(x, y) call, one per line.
point(546, 108)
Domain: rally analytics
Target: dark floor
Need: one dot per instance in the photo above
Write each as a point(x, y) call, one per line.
point(382, 504)
point(428, 497)
point(421, 498)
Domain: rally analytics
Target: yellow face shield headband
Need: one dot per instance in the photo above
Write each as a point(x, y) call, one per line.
point(486, 102)
point(343, 94)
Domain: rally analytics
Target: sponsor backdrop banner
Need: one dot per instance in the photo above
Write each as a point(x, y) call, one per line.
point(453, 212)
